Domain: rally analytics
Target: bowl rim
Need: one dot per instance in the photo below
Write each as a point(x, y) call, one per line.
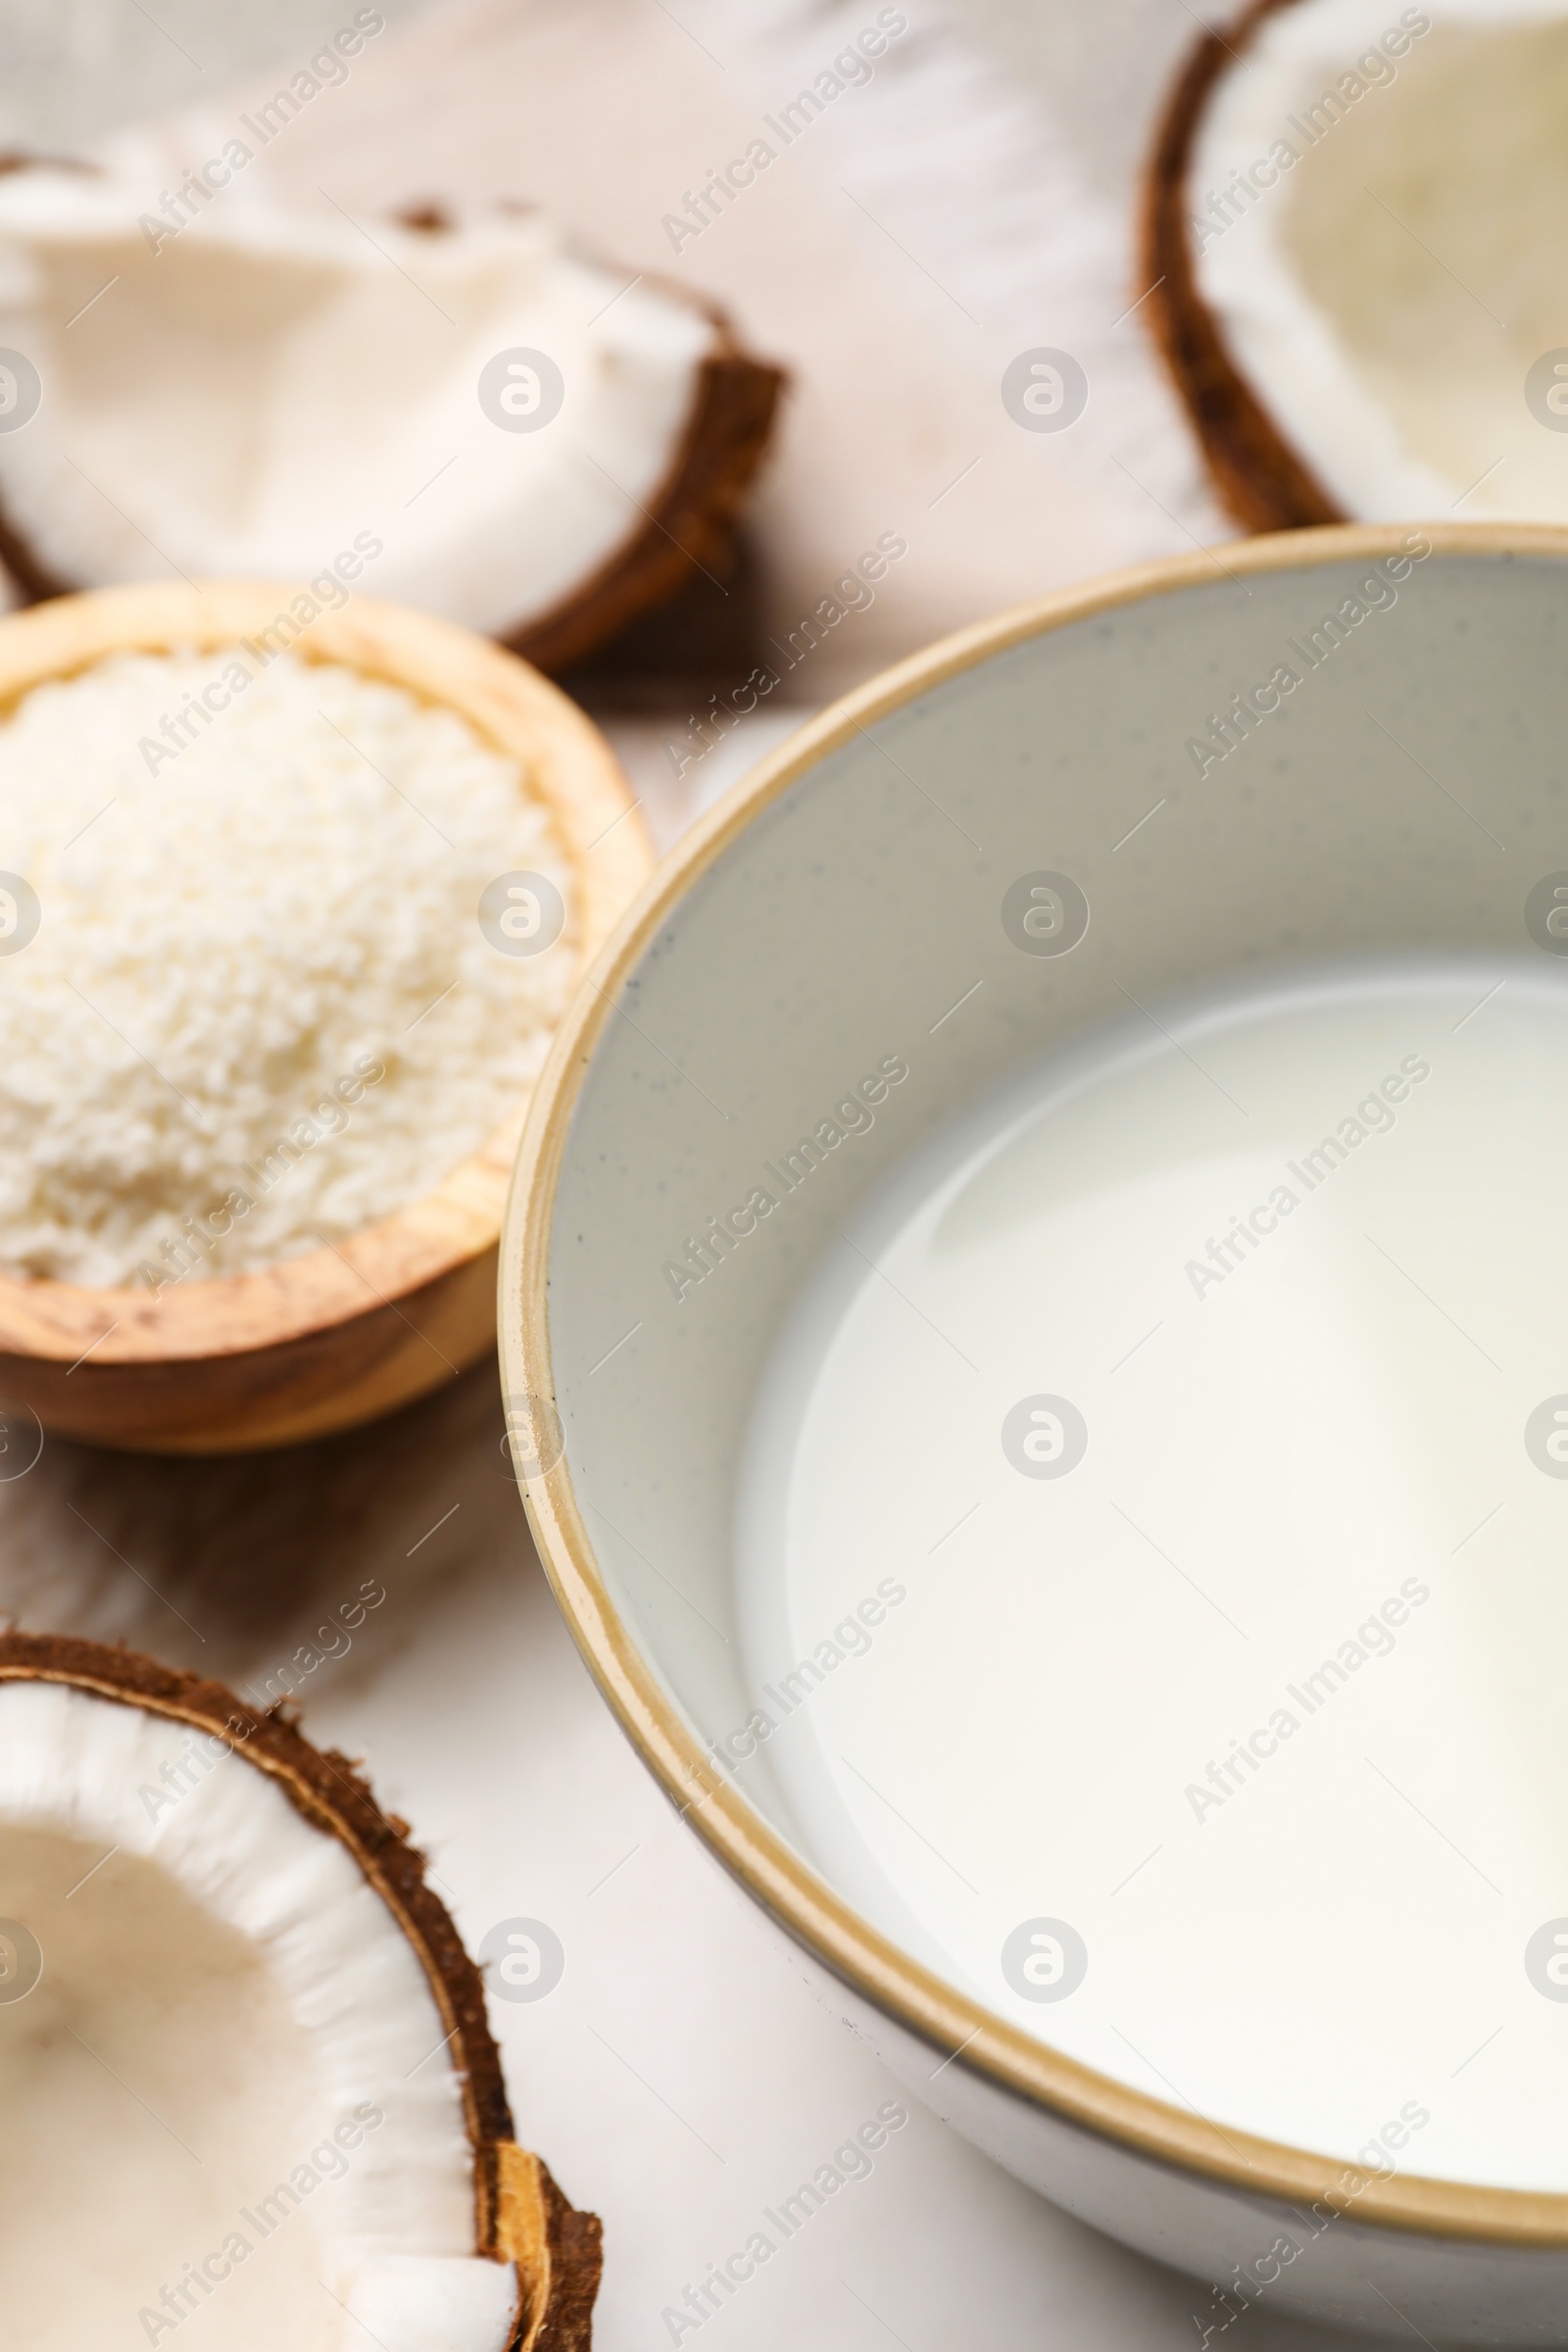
point(516, 710)
point(951, 2022)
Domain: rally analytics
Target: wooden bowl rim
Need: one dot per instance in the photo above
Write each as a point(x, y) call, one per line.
point(580, 782)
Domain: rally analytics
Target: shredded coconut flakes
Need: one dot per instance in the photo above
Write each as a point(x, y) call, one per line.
point(232, 945)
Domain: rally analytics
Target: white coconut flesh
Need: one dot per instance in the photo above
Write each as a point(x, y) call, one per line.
point(1389, 290)
point(269, 386)
point(230, 2117)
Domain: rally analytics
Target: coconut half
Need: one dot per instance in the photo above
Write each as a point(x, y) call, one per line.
point(1354, 215)
point(249, 2088)
point(451, 409)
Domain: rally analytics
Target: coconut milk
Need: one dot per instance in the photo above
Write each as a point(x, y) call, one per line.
point(1154, 1561)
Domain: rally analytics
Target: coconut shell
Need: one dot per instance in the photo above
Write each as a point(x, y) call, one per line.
point(688, 526)
point(1263, 482)
point(520, 2215)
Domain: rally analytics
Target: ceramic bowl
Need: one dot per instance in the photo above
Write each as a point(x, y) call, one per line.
point(338, 1335)
point(849, 901)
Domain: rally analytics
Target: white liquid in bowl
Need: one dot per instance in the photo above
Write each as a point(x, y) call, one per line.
point(1265, 1697)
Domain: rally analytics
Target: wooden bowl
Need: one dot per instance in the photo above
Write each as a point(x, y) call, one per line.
point(342, 1334)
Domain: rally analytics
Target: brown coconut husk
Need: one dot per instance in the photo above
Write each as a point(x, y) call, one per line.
point(520, 2216)
point(1262, 479)
point(690, 525)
